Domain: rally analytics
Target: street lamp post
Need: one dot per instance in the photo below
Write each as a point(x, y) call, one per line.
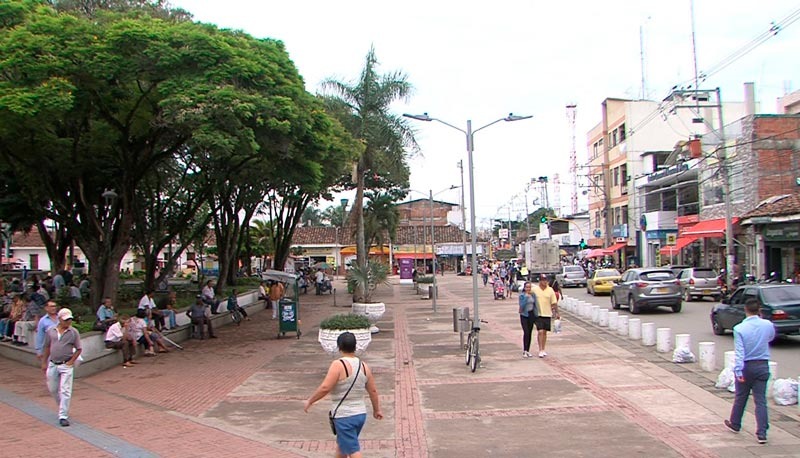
point(344, 214)
point(469, 133)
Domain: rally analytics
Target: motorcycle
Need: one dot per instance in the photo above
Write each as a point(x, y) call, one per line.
point(325, 287)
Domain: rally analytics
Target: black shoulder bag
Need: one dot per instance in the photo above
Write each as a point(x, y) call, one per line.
point(332, 415)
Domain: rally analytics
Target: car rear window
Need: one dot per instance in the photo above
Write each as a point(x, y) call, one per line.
point(782, 294)
point(704, 273)
point(573, 269)
point(608, 273)
point(659, 275)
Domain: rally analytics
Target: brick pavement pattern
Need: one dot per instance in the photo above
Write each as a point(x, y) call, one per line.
point(241, 395)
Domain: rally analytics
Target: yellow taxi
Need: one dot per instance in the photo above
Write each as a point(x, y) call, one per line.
point(602, 281)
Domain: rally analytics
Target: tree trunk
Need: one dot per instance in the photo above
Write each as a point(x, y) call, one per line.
point(361, 293)
point(56, 245)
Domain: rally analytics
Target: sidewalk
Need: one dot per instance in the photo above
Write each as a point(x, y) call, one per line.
point(241, 395)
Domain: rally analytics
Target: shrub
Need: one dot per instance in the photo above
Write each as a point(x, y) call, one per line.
point(345, 321)
point(367, 278)
point(425, 279)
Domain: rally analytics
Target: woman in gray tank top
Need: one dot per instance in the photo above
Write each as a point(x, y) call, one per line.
point(347, 381)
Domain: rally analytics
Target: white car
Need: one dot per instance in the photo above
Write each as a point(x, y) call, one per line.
point(571, 276)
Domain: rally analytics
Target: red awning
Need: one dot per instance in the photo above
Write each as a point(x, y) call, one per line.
point(680, 243)
point(712, 228)
point(596, 253)
point(615, 247)
point(413, 255)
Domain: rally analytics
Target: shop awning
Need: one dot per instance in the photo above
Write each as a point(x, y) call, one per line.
point(615, 247)
point(712, 228)
point(680, 243)
point(413, 255)
point(596, 253)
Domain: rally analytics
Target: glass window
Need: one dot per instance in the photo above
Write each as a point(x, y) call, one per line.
point(781, 294)
point(657, 275)
point(737, 297)
point(607, 273)
point(704, 273)
point(622, 134)
point(573, 269)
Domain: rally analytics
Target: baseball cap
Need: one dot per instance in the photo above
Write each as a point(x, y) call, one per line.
point(65, 314)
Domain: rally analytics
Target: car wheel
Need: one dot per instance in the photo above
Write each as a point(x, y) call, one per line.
point(614, 304)
point(676, 308)
point(716, 327)
point(686, 296)
point(634, 309)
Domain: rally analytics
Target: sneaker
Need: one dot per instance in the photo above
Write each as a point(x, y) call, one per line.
point(542, 354)
point(63, 422)
point(731, 428)
point(761, 439)
point(525, 354)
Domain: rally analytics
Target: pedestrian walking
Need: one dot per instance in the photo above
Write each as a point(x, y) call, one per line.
point(528, 312)
point(347, 379)
point(275, 294)
point(62, 347)
point(751, 340)
point(548, 309)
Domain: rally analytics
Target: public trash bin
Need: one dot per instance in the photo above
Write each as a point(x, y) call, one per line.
point(288, 317)
point(461, 322)
point(431, 291)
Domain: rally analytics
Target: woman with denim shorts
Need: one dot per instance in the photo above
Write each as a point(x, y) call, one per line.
point(351, 413)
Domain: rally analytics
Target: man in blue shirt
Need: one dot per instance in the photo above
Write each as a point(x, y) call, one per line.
point(751, 340)
point(45, 323)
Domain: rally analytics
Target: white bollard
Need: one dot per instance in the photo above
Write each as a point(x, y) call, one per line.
point(648, 334)
point(602, 318)
point(584, 310)
point(773, 375)
point(635, 328)
point(683, 340)
point(613, 319)
point(730, 359)
point(663, 340)
point(595, 313)
point(587, 311)
point(707, 355)
point(622, 325)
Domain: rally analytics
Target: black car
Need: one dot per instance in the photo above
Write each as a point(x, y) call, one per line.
point(780, 303)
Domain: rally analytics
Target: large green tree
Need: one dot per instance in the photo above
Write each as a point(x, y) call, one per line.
point(364, 108)
point(103, 103)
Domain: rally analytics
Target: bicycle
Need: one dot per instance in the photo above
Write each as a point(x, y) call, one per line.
point(472, 348)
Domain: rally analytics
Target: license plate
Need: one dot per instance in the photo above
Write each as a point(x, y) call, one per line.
point(660, 290)
point(706, 291)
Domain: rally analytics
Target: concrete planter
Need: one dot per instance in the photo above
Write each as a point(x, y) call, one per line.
point(327, 338)
point(373, 311)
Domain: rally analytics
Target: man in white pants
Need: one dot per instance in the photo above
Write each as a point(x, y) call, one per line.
point(62, 347)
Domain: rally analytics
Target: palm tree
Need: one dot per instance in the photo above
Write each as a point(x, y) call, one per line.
point(363, 108)
point(261, 239)
point(334, 215)
point(311, 217)
point(381, 219)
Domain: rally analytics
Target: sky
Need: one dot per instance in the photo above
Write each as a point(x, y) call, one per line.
point(480, 61)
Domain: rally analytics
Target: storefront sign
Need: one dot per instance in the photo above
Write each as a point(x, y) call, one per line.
point(782, 233)
point(660, 234)
point(620, 230)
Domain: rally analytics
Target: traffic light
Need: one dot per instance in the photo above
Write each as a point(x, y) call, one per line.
point(582, 244)
point(543, 219)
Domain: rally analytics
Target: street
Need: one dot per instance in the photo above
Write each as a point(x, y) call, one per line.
point(694, 320)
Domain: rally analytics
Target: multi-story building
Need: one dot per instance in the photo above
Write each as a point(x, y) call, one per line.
point(636, 138)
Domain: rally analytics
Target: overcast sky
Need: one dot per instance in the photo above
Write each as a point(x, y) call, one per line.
point(483, 60)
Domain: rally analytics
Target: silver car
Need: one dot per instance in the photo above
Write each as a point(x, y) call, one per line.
point(647, 289)
point(571, 276)
point(697, 282)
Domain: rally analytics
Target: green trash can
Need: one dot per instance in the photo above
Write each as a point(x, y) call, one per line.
point(288, 317)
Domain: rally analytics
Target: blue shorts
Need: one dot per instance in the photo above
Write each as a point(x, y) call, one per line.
point(347, 431)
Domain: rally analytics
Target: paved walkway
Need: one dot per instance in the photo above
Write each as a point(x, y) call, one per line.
point(241, 395)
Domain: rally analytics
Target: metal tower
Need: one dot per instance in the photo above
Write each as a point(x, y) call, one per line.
point(572, 110)
point(557, 194)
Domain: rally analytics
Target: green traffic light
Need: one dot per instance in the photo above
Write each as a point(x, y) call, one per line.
point(543, 219)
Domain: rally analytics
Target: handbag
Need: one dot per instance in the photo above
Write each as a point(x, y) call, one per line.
point(332, 415)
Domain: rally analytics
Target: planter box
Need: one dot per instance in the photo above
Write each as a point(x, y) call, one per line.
point(373, 311)
point(327, 338)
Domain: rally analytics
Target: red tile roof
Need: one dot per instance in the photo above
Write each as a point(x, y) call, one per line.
point(346, 236)
point(785, 205)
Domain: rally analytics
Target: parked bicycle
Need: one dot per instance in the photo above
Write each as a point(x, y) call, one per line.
point(236, 316)
point(472, 348)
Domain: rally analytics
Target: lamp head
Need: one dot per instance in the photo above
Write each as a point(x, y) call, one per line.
point(513, 117)
point(422, 117)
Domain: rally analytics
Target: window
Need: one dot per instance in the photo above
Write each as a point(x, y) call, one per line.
point(612, 139)
point(608, 273)
point(616, 176)
point(34, 262)
point(658, 275)
point(624, 214)
point(622, 134)
point(623, 174)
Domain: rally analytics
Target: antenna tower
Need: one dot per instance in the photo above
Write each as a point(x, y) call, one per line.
point(557, 194)
point(572, 110)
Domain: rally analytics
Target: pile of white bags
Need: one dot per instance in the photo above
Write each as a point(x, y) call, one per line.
point(726, 380)
point(784, 391)
point(683, 355)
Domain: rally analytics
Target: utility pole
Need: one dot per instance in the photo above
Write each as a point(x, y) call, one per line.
point(463, 220)
point(433, 254)
point(730, 251)
point(606, 178)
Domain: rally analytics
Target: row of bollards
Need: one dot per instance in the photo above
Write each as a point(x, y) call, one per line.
point(661, 338)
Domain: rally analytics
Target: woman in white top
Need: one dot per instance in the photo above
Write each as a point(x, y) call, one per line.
point(351, 374)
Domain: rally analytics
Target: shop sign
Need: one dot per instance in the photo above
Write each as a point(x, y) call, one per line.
point(781, 233)
point(660, 234)
point(620, 230)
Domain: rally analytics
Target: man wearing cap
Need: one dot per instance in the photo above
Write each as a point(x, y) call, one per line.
point(62, 346)
point(548, 308)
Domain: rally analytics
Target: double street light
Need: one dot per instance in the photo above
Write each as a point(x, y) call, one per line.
point(470, 134)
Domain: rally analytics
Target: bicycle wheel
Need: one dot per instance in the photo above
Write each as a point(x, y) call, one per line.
point(476, 356)
point(236, 316)
point(468, 351)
